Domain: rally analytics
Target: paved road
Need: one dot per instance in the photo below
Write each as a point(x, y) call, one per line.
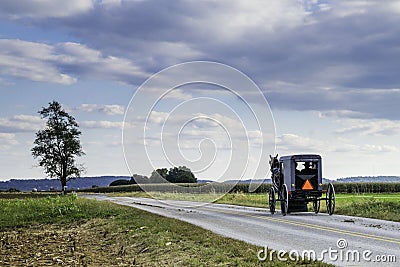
point(342, 237)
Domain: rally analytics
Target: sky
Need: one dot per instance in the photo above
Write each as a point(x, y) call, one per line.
point(289, 77)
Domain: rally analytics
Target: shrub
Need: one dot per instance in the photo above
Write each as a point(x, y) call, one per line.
point(120, 182)
point(13, 190)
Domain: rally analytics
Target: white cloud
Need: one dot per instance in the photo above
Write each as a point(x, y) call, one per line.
point(30, 61)
point(113, 109)
point(378, 148)
point(94, 64)
point(342, 114)
point(44, 8)
point(293, 142)
point(106, 109)
point(111, 2)
point(241, 17)
point(349, 8)
point(7, 140)
point(177, 94)
point(62, 63)
point(224, 132)
point(334, 101)
point(370, 127)
point(175, 50)
point(7, 136)
point(101, 124)
point(158, 117)
point(20, 123)
point(393, 6)
point(195, 121)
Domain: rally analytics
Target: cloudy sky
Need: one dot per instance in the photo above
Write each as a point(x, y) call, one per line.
point(328, 69)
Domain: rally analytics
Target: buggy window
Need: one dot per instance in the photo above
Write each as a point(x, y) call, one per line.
point(306, 166)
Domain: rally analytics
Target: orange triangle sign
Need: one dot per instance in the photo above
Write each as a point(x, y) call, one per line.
point(307, 185)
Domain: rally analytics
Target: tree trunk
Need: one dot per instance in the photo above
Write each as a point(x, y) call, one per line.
point(64, 178)
point(63, 185)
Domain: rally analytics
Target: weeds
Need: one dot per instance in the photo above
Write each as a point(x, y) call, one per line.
point(57, 209)
point(372, 208)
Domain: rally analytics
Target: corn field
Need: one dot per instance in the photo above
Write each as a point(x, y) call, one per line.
point(353, 188)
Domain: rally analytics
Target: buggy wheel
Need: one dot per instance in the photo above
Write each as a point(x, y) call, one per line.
point(284, 200)
point(330, 199)
point(272, 200)
point(316, 205)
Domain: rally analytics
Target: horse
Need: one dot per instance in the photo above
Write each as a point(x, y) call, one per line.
point(275, 171)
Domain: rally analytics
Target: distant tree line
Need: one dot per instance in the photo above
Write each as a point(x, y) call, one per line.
point(181, 174)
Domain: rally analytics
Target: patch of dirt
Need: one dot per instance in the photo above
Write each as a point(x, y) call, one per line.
point(93, 243)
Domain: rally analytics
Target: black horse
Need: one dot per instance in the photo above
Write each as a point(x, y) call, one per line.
point(275, 171)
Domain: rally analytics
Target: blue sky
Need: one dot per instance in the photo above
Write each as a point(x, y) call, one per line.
point(328, 69)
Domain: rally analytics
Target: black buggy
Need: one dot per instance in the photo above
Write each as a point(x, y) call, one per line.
point(297, 181)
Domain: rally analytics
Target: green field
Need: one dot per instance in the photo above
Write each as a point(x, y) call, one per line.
point(72, 231)
point(379, 206)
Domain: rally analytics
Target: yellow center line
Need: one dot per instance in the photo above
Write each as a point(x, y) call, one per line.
point(312, 226)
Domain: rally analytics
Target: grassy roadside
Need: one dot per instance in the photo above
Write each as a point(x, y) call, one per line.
point(23, 195)
point(72, 231)
point(378, 206)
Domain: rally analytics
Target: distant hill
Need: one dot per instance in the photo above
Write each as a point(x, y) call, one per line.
point(88, 182)
point(48, 184)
